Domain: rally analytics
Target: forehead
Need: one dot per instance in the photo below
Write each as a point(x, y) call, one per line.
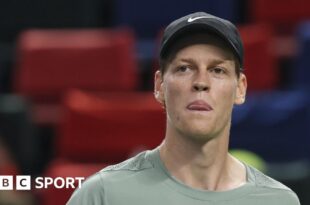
point(213, 41)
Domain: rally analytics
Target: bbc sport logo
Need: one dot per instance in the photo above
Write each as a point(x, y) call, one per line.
point(24, 182)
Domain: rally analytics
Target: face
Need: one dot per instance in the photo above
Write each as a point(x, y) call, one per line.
point(199, 88)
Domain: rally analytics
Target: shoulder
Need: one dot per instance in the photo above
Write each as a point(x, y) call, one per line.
point(91, 192)
point(273, 187)
point(262, 180)
point(138, 163)
point(93, 189)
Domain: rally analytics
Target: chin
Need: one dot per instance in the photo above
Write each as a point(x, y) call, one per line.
point(199, 134)
point(200, 138)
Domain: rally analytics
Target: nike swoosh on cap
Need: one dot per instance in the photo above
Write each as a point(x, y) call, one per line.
point(195, 18)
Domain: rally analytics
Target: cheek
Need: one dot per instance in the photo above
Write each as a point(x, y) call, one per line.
point(226, 95)
point(172, 94)
point(175, 98)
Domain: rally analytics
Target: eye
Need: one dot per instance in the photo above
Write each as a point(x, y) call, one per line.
point(183, 68)
point(218, 70)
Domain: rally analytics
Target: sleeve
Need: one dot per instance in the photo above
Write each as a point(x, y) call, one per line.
point(90, 193)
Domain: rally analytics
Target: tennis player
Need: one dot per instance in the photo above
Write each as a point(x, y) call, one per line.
point(199, 82)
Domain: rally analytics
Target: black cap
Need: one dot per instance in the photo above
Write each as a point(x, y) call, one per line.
point(201, 21)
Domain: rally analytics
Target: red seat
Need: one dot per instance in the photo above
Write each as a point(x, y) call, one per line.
point(260, 63)
point(53, 195)
point(49, 62)
point(283, 13)
point(109, 127)
point(52, 61)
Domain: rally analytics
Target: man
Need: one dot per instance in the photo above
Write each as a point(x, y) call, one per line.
point(199, 82)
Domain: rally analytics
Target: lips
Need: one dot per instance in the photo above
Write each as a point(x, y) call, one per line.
point(199, 105)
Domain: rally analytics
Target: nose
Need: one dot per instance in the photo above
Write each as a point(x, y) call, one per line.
point(201, 82)
point(200, 86)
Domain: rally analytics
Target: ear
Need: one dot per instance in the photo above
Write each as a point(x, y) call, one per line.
point(241, 89)
point(158, 87)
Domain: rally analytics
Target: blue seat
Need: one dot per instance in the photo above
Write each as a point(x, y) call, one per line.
point(274, 125)
point(148, 17)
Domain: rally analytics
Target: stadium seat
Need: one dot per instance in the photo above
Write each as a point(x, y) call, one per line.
point(148, 17)
point(52, 61)
point(53, 195)
point(275, 125)
point(260, 63)
point(109, 127)
point(284, 14)
point(49, 62)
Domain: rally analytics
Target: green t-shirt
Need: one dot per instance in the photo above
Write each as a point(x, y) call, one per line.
point(144, 180)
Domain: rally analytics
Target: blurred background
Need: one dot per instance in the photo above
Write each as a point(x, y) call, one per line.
point(76, 81)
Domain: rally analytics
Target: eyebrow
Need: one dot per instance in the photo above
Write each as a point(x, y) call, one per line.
point(213, 61)
point(186, 60)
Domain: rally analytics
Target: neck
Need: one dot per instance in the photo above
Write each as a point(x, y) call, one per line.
point(202, 165)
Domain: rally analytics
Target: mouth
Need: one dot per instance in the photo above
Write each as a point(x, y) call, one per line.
point(199, 105)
